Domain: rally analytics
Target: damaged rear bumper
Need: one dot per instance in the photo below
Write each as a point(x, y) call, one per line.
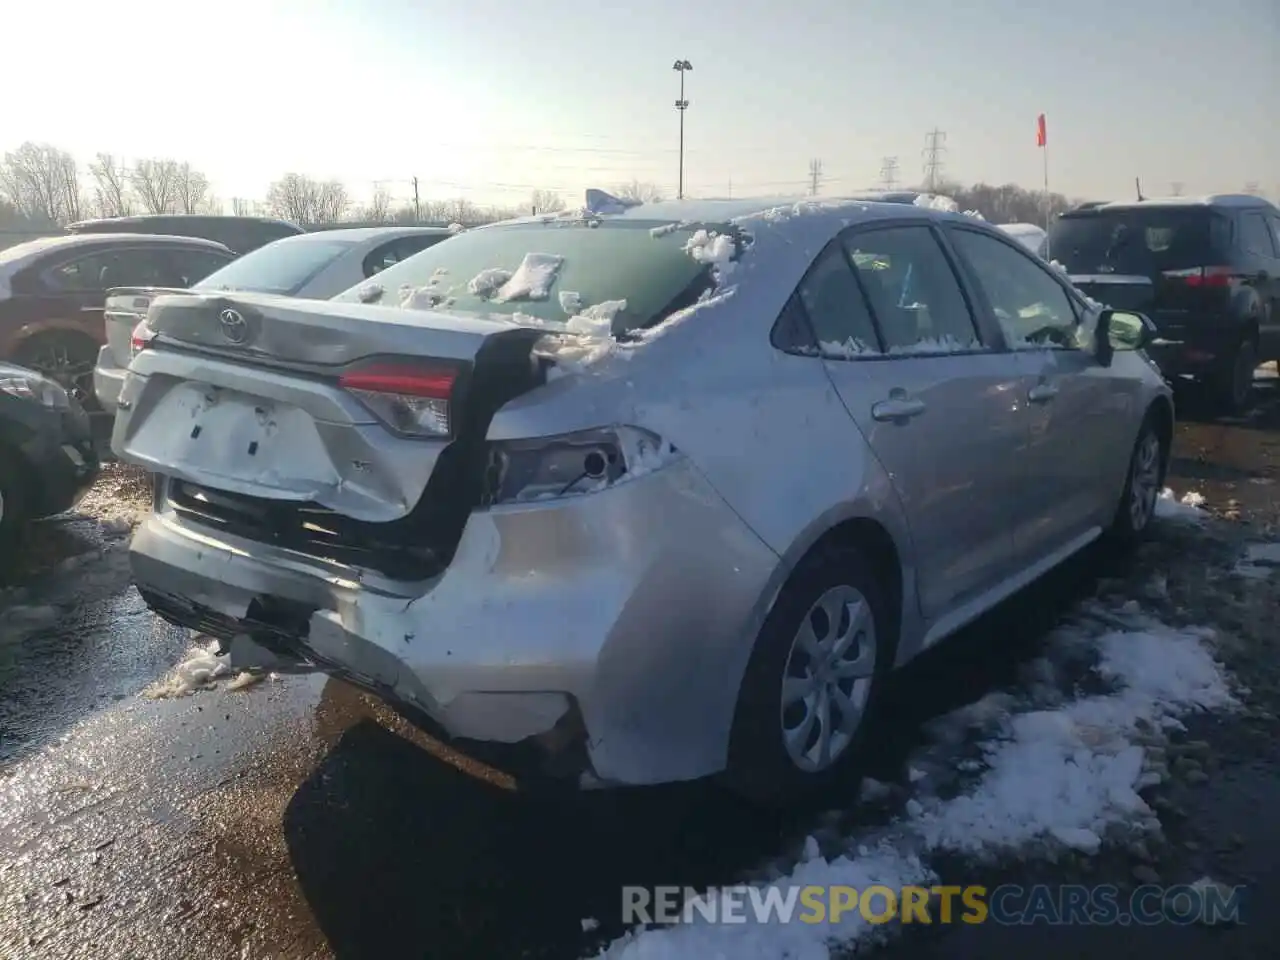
point(627, 615)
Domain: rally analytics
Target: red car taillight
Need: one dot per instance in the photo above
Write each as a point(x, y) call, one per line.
point(140, 339)
point(411, 399)
point(1202, 276)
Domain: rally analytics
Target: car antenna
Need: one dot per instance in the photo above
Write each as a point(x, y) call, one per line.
point(1137, 182)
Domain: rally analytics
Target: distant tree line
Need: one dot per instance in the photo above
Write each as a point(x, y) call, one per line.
point(43, 188)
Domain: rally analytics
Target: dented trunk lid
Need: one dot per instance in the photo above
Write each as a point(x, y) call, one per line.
point(240, 393)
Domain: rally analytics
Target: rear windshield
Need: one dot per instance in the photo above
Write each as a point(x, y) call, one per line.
point(283, 267)
point(634, 273)
point(1139, 242)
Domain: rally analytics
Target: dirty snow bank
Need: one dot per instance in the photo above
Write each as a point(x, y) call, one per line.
point(200, 669)
point(1055, 770)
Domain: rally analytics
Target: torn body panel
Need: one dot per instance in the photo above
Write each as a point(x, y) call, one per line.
point(630, 603)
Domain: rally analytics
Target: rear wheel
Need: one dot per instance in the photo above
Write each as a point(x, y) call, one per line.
point(1233, 385)
point(813, 680)
point(67, 358)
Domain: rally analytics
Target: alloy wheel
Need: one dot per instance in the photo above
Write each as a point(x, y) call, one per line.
point(1144, 482)
point(827, 679)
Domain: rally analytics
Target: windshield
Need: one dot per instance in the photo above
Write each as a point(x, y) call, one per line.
point(283, 267)
point(630, 273)
point(1138, 242)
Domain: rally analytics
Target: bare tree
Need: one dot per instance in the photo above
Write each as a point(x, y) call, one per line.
point(644, 192)
point(241, 207)
point(379, 208)
point(157, 183)
point(545, 201)
point(112, 196)
point(300, 199)
point(42, 182)
point(192, 189)
point(459, 211)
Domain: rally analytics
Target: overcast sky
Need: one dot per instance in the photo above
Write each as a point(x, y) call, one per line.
point(489, 99)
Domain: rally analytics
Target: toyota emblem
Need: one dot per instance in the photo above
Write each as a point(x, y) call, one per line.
point(234, 327)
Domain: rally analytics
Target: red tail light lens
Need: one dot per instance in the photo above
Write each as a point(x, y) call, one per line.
point(140, 339)
point(411, 399)
point(1202, 276)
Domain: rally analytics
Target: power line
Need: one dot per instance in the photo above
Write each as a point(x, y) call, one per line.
point(933, 150)
point(889, 173)
point(815, 176)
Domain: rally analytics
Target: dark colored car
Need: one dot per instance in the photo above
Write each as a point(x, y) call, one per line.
point(240, 234)
point(47, 459)
point(52, 293)
point(1205, 270)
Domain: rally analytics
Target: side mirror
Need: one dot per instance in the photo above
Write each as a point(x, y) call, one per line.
point(1121, 330)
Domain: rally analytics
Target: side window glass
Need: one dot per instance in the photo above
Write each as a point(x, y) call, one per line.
point(791, 330)
point(134, 268)
point(837, 311)
point(1033, 309)
point(1273, 221)
point(78, 275)
point(1255, 237)
point(191, 266)
point(387, 255)
point(913, 291)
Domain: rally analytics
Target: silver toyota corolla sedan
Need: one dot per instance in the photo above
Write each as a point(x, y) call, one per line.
point(652, 492)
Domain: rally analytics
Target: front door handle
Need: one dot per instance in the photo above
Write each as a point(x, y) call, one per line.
point(899, 406)
point(1042, 393)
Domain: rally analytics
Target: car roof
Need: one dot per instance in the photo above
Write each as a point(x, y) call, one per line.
point(841, 211)
point(179, 217)
point(41, 245)
point(1222, 200)
point(362, 234)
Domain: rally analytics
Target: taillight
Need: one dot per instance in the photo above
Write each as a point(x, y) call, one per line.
point(1202, 276)
point(140, 339)
point(412, 399)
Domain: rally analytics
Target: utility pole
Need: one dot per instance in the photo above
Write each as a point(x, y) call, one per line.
point(889, 173)
point(417, 208)
point(683, 66)
point(815, 176)
point(1176, 188)
point(934, 148)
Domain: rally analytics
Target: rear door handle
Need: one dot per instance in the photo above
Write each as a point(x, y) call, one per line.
point(1042, 393)
point(897, 407)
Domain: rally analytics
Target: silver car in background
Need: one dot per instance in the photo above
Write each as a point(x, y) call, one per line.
point(316, 265)
point(651, 492)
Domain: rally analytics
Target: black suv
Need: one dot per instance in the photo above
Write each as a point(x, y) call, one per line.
point(1206, 270)
point(240, 234)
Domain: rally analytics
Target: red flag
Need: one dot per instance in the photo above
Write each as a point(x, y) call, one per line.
point(1041, 137)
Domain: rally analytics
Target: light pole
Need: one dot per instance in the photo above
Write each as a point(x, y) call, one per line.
point(682, 105)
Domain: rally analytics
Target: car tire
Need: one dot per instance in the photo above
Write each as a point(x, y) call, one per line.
point(762, 767)
point(1233, 385)
point(12, 499)
point(1142, 485)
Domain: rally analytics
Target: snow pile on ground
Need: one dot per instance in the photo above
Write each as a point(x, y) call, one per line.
point(201, 669)
point(1056, 770)
point(1260, 561)
point(1187, 510)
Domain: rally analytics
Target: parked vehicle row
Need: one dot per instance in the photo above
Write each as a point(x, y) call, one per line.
point(653, 492)
point(1206, 270)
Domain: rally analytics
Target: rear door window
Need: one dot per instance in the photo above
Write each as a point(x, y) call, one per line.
point(394, 251)
point(1256, 236)
point(191, 266)
point(134, 267)
point(912, 290)
point(1145, 242)
point(837, 312)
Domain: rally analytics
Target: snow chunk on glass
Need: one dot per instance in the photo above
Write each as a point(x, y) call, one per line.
point(851, 348)
point(664, 230)
point(597, 319)
point(712, 248)
point(570, 301)
point(370, 292)
point(532, 279)
point(485, 283)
